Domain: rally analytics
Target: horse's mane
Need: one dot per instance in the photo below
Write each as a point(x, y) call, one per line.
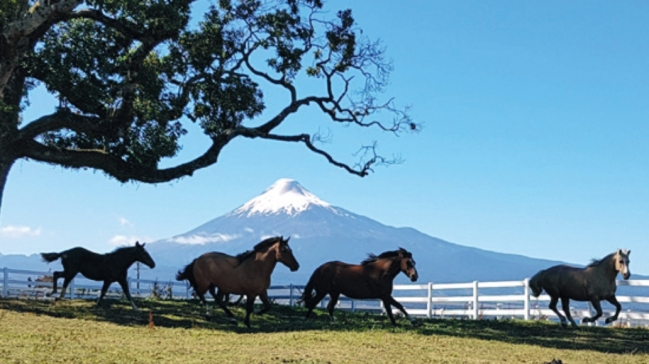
point(260, 247)
point(371, 258)
point(121, 250)
point(596, 262)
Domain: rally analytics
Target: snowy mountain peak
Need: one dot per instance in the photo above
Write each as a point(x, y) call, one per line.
point(284, 196)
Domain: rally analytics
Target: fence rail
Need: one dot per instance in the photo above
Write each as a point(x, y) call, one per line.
point(465, 300)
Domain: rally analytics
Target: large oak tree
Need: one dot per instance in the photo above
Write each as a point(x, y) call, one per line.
point(129, 75)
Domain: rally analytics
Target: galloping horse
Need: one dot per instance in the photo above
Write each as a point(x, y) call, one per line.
point(245, 274)
point(373, 278)
point(111, 267)
point(594, 283)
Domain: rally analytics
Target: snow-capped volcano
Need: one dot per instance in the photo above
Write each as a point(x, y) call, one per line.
point(322, 232)
point(284, 196)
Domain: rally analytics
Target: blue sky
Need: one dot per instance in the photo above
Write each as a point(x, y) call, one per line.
point(535, 142)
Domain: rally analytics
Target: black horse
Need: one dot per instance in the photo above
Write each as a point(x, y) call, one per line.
point(111, 267)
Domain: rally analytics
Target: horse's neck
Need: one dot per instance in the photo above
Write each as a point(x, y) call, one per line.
point(389, 267)
point(605, 270)
point(264, 262)
point(122, 259)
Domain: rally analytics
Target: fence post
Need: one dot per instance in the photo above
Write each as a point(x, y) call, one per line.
point(353, 308)
point(526, 302)
point(290, 294)
point(5, 282)
point(475, 300)
point(429, 302)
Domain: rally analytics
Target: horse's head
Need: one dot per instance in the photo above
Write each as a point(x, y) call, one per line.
point(143, 256)
point(622, 263)
point(407, 264)
point(284, 254)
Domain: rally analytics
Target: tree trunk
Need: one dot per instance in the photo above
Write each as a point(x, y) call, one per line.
point(5, 166)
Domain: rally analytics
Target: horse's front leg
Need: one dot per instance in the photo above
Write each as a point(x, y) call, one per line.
point(398, 305)
point(553, 307)
point(388, 310)
point(565, 304)
point(250, 304)
point(598, 311)
point(104, 289)
point(264, 299)
point(219, 299)
point(618, 308)
point(127, 292)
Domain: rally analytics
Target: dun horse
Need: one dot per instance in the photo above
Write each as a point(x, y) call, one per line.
point(111, 267)
point(594, 283)
point(373, 278)
point(245, 274)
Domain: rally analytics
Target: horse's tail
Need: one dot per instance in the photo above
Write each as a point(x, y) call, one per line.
point(536, 285)
point(307, 294)
point(50, 257)
point(187, 274)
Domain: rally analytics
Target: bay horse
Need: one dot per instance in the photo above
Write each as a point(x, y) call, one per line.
point(373, 278)
point(110, 267)
point(245, 274)
point(593, 283)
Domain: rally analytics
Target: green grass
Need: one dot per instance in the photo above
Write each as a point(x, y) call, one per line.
point(79, 332)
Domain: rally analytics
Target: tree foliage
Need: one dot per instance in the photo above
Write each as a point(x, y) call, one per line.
point(129, 75)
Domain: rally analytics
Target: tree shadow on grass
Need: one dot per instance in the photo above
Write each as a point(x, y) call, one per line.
point(191, 315)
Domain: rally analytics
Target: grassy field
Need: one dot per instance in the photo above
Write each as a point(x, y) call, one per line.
point(79, 332)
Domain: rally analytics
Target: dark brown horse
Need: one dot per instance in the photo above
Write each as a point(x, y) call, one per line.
point(111, 267)
point(373, 278)
point(594, 283)
point(245, 274)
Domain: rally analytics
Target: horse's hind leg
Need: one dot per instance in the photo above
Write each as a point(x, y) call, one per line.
point(333, 299)
point(310, 303)
point(618, 308)
point(553, 307)
point(55, 278)
point(66, 282)
point(598, 311)
point(565, 304)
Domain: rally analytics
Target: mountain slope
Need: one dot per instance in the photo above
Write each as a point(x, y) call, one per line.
point(321, 232)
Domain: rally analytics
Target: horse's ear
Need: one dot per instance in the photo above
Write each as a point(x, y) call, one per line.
point(287, 239)
point(137, 243)
point(143, 244)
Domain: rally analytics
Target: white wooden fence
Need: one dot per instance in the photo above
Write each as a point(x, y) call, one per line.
point(470, 300)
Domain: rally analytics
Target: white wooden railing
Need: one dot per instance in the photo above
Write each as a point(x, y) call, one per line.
point(470, 300)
